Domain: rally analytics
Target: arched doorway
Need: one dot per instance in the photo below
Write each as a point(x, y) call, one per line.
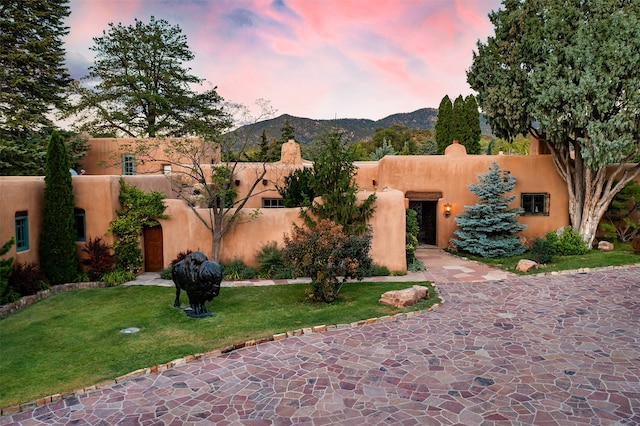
point(153, 249)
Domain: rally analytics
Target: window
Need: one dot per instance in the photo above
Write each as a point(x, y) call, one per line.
point(272, 203)
point(166, 169)
point(22, 231)
point(535, 204)
point(80, 225)
point(128, 164)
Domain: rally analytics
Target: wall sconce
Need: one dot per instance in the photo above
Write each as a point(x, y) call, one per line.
point(265, 182)
point(374, 182)
point(237, 182)
point(447, 210)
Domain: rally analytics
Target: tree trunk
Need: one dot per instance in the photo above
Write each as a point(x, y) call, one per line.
point(590, 191)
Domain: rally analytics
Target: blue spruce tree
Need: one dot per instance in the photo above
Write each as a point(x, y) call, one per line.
point(489, 228)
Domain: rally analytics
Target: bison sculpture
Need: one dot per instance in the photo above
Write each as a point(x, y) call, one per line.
point(200, 278)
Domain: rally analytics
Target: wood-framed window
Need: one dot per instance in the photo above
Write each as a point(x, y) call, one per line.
point(22, 231)
point(272, 203)
point(535, 204)
point(128, 164)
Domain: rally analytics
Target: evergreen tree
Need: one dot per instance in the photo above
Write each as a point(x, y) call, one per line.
point(385, 149)
point(297, 190)
point(489, 228)
point(443, 125)
point(334, 180)
point(143, 87)
point(458, 123)
point(58, 259)
point(471, 131)
point(33, 79)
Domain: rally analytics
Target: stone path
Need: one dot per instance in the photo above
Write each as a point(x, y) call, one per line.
point(543, 350)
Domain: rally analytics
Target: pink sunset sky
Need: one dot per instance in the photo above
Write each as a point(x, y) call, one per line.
point(319, 59)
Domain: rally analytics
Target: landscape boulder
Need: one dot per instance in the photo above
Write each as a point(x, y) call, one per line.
point(605, 246)
point(526, 265)
point(406, 297)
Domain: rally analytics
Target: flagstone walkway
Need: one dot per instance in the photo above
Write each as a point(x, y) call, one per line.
point(502, 350)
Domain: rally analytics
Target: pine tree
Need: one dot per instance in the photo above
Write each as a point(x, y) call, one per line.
point(334, 180)
point(489, 228)
point(58, 259)
point(443, 125)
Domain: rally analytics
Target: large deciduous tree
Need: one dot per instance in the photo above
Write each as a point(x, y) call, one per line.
point(33, 79)
point(567, 71)
point(140, 87)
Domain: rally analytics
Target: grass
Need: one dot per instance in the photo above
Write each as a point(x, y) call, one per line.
point(73, 340)
point(621, 255)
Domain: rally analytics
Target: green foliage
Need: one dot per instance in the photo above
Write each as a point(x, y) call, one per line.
point(7, 293)
point(334, 181)
point(27, 279)
point(617, 221)
point(412, 230)
point(34, 76)
point(270, 262)
point(385, 149)
point(377, 271)
point(566, 242)
point(397, 137)
point(100, 261)
point(297, 190)
point(489, 228)
point(444, 123)
point(117, 277)
point(166, 274)
point(416, 266)
point(237, 270)
point(58, 258)
point(152, 95)
point(567, 72)
point(542, 251)
point(139, 209)
point(459, 121)
point(326, 254)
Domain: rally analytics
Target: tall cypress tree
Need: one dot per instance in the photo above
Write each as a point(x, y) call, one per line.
point(472, 130)
point(443, 125)
point(58, 259)
point(489, 228)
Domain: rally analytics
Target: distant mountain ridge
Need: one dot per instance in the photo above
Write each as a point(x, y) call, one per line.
point(355, 129)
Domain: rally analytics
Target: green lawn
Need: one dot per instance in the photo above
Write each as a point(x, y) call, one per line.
point(73, 340)
point(621, 255)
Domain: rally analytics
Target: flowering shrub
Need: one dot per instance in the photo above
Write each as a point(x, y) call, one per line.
point(328, 256)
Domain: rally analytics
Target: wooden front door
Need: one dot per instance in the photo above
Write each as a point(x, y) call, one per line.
point(153, 250)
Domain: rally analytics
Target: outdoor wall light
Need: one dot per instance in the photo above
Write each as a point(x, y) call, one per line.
point(237, 182)
point(374, 182)
point(447, 210)
point(265, 182)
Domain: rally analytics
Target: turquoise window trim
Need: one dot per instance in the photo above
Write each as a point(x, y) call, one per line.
point(22, 232)
point(128, 164)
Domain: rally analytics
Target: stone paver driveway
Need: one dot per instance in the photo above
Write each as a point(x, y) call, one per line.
point(544, 350)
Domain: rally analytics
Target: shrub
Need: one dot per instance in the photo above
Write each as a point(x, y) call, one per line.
point(542, 251)
point(416, 266)
point(567, 242)
point(328, 256)
point(101, 260)
point(167, 274)
point(7, 293)
point(377, 271)
point(237, 270)
point(27, 279)
point(412, 229)
point(270, 261)
point(635, 243)
point(117, 277)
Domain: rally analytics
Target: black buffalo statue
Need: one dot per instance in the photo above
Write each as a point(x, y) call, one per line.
point(200, 278)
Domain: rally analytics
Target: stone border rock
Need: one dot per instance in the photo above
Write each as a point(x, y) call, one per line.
point(217, 352)
point(11, 308)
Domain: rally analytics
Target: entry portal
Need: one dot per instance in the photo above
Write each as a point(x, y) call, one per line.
point(426, 215)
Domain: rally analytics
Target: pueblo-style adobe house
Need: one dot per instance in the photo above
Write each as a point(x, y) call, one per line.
point(436, 186)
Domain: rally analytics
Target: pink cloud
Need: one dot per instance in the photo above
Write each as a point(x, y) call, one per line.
point(315, 58)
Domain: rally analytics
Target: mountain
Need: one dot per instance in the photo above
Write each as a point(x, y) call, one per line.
point(355, 129)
